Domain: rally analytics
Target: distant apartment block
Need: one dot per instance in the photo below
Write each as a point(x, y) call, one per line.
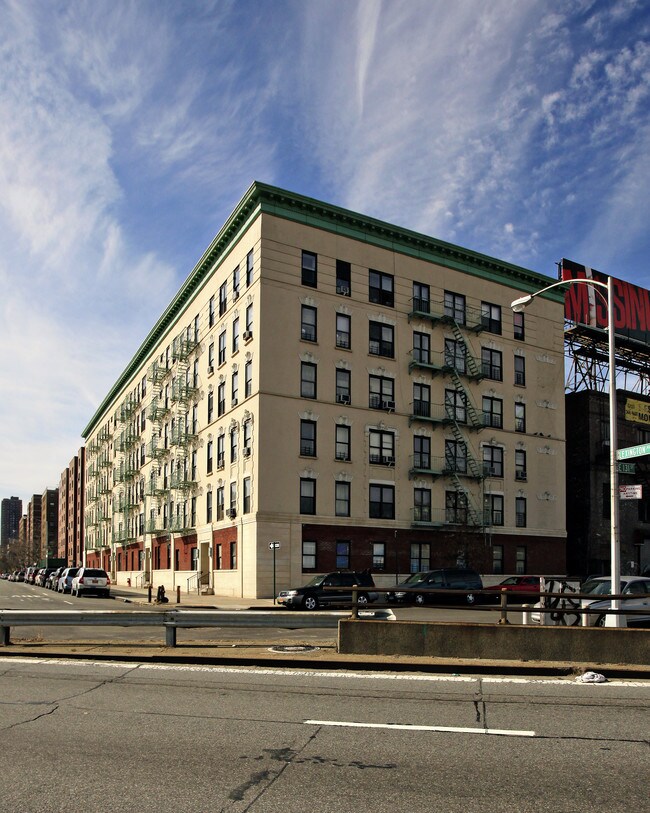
point(12, 511)
point(49, 524)
point(358, 392)
point(71, 511)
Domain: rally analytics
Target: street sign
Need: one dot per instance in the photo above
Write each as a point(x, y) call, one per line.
point(627, 468)
point(633, 451)
point(630, 492)
point(273, 545)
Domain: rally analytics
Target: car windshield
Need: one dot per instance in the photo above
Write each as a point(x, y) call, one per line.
point(511, 580)
point(597, 588)
point(415, 578)
point(315, 582)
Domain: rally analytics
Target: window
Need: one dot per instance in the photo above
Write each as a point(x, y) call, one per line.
point(382, 502)
point(222, 348)
point(493, 461)
point(307, 495)
point(308, 555)
point(196, 328)
point(235, 283)
point(308, 323)
point(343, 331)
point(223, 298)
point(192, 513)
point(455, 406)
point(421, 505)
point(456, 456)
point(518, 326)
point(210, 358)
point(455, 355)
point(221, 454)
point(247, 437)
point(421, 347)
point(421, 452)
point(234, 437)
point(234, 391)
point(381, 288)
point(246, 507)
point(209, 456)
point(210, 406)
point(456, 508)
point(491, 317)
point(211, 312)
point(308, 438)
point(249, 318)
point(235, 335)
point(492, 364)
point(382, 392)
point(342, 554)
point(492, 412)
point(520, 417)
point(454, 307)
point(381, 446)
point(249, 268)
point(381, 340)
point(342, 450)
point(494, 509)
point(220, 502)
point(248, 379)
point(208, 506)
point(221, 398)
point(343, 277)
point(378, 555)
point(520, 465)
point(497, 558)
point(309, 269)
point(218, 561)
point(307, 380)
point(342, 499)
point(520, 562)
point(422, 400)
point(343, 394)
point(520, 512)
point(420, 557)
point(520, 371)
point(233, 497)
point(421, 298)
point(233, 556)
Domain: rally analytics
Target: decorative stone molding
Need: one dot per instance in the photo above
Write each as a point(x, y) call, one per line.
point(546, 450)
point(545, 359)
point(309, 473)
point(308, 415)
point(547, 496)
point(308, 358)
point(381, 317)
point(308, 300)
point(546, 405)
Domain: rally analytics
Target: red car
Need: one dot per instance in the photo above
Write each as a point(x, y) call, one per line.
point(520, 589)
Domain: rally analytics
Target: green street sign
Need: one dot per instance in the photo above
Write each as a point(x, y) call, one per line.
point(627, 468)
point(633, 451)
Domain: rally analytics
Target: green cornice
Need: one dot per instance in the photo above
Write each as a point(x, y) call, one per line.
point(262, 198)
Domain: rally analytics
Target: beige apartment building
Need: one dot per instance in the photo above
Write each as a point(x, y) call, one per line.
point(361, 394)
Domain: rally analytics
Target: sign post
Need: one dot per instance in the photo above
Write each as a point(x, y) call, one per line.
point(274, 546)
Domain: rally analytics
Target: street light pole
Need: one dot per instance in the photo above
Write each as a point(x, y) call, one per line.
point(611, 619)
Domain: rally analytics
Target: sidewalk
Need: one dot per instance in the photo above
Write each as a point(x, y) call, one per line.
point(140, 595)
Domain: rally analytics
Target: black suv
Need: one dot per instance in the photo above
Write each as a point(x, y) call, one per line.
point(449, 578)
point(313, 595)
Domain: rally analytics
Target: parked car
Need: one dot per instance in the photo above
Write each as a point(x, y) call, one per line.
point(520, 589)
point(450, 578)
point(398, 594)
point(53, 578)
point(65, 579)
point(30, 575)
point(91, 580)
point(313, 595)
point(637, 587)
point(43, 575)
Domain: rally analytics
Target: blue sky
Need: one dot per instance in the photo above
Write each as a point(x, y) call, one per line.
point(129, 130)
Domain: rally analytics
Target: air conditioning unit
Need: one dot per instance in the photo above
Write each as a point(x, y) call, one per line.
point(235, 294)
point(343, 290)
point(234, 402)
point(489, 471)
point(342, 399)
point(388, 461)
point(342, 456)
point(520, 475)
point(248, 334)
point(389, 405)
point(210, 370)
point(246, 451)
point(231, 513)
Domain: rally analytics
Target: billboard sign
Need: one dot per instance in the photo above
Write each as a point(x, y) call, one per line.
point(583, 306)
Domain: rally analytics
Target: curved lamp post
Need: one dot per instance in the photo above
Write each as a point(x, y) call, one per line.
point(611, 620)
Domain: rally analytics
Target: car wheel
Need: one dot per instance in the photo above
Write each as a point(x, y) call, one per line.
point(310, 603)
point(362, 599)
point(419, 599)
point(471, 598)
point(600, 621)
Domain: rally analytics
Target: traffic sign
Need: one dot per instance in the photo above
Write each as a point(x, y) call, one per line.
point(627, 468)
point(630, 492)
point(273, 545)
point(633, 451)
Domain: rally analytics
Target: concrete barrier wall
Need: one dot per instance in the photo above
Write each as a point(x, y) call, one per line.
point(585, 645)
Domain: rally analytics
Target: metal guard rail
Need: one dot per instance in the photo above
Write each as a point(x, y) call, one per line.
point(171, 620)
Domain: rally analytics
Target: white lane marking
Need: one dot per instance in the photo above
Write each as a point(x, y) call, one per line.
point(501, 732)
point(253, 670)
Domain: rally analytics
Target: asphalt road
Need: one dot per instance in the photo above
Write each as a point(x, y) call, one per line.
point(148, 738)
